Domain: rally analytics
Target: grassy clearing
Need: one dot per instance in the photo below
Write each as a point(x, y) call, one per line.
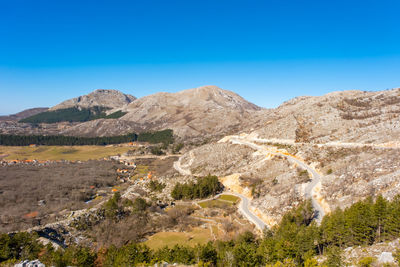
point(142, 169)
point(61, 152)
point(140, 172)
point(230, 198)
point(215, 203)
point(196, 236)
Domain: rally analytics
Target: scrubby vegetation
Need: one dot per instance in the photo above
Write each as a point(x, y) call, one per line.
point(165, 137)
point(120, 221)
point(177, 148)
point(294, 242)
point(73, 115)
point(156, 186)
point(115, 115)
point(205, 187)
point(157, 150)
point(29, 194)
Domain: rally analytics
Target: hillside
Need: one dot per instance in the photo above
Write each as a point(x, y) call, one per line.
point(289, 169)
point(209, 112)
point(84, 108)
point(74, 114)
point(349, 140)
point(100, 97)
point(348, 116)
point(195, 113)
point(23, 114)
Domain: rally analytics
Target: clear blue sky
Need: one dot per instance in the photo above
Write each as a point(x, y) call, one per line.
point(266, 51)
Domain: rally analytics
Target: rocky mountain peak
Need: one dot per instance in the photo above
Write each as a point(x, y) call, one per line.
point(215, 97)
point(101, 97)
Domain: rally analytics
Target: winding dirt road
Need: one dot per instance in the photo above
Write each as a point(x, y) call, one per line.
point(243, 209)
point(244, 205)
point(178, 165)
point(310, 187)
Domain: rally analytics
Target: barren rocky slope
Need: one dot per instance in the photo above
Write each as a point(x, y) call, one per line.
point(359, 137)
point(349, 174)
point(205, 110)
point(348, 116)
point(195, 113)
point(18, 128)
point(23, 114)
point(273, 183)
point(99, 97)
point(104, 127)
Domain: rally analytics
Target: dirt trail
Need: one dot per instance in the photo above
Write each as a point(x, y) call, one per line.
point(244, 205)
point(311, 188)
point(184, 171)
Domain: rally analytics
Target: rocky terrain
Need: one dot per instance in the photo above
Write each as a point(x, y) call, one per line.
point(18, 128)
point(198, 113)
point(23, 114)
point(210, 112)
point(205, 110)
point(103, 127)
point(276, 184)
point(100, 98)
point(273, 183)
point(348, 116)
point(352, 174)
point(357, 135)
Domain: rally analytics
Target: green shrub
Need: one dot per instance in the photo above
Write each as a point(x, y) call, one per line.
point(156, 186)
point(205, 186)
point(366, 261)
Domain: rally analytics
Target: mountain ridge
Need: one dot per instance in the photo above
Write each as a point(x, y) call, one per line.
point(191, 113)
point(109, 98)
point(211, 112)
point(23, 114)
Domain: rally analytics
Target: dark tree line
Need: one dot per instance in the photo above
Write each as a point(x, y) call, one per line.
point(364, 223)
point(73, 115)
point(61, 140)
point(165, 137)
point(204, 187)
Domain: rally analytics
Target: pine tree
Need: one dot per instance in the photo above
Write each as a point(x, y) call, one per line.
point(380, 209)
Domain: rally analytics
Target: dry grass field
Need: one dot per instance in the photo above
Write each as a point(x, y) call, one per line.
point(196, 236)
point(214, 204)
point(71, 153)
point(231, 198)
point(221, 202)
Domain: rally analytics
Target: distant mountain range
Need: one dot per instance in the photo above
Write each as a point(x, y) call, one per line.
point(211, 112)
point(23, 114)
point(194, 113)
